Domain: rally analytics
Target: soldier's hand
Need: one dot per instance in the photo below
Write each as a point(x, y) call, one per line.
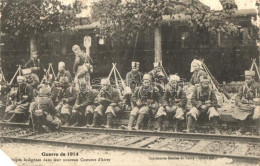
point(167, 108)
point(138, 103)
point(76, 106)
point(203, 107)
point(18, 103)
point(239, 103)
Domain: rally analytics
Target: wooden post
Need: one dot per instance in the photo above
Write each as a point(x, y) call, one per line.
point(32, 45)
point(157, 43)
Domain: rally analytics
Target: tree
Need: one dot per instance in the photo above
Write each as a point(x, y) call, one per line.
point(124, 19)
point(36, 18)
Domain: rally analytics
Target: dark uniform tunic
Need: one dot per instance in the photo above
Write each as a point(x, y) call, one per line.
point(34, 64)
point(150, 100)
point(64, 74)
point(195, 78)
point(134, 79)
point(85, 99)
point(203, 97)
point(108, 102)
point(24, 96)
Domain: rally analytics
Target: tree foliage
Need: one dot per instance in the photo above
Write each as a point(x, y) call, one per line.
point(36, 17)
point(122, 19)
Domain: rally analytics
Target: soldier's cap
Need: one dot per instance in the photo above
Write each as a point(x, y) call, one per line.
point(174, 78)
point(249, 73)
point(21, 78)
point(64, 80)
point(157, 64)
point(135, 64)
point(204, 79)
point(75, 47)
point(105, 81)
point(27, 71)
point(61, 64)
point(45, 90)
point(147, 77)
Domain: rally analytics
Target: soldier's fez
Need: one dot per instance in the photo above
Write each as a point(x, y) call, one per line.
point(157, 64)
point(147, 77)
point(105, 81)
point(249, 73)
point(204, 79)
point(61, 64)
point(75, 47)
point(135, 64)
point(174, 78)
point(21, 78)
point(26, 71)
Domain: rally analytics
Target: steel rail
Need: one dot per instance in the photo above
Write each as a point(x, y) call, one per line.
point(249, 159)
point(253, 139)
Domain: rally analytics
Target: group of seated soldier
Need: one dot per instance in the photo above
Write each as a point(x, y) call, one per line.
point(150, 97)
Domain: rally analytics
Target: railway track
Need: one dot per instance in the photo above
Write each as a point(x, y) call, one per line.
point(201, 146)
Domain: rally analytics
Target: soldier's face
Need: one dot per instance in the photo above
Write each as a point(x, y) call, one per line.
point(61, 68)
point(135, 68)
point(249, 79)
point(173, 83)
point(35, 56)
point(157, 69)
point(27, 76)
point(196, 67)
point(105, 86)
point(205, 84)
point(20, 81)
point(77, 50)
point(146, 83)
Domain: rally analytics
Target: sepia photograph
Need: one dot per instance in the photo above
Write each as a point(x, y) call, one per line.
point(129, 82)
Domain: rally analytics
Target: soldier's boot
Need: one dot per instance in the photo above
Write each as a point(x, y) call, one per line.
point(216, 125)
point(257, 124)
point(176, 125)
point(74, 118)
point(109, 120)
point(89, 119)
point(5, 117)
point(159, 123)
point(66, 120)
point(95, 119)
point(189, 124)
point(13, 117)
point(241, 129)
point(46, 129)
point(130, 122)
point(139, 121)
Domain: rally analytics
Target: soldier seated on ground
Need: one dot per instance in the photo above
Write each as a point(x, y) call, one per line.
point(4, 90)
point(83, 109)
point(247, 103)
point(20, 105)
point(146, 101)
point(44, 115)
point(204, 103)
point(48, 81)
point(173, 104)
point(66, 97)
point(108, 99)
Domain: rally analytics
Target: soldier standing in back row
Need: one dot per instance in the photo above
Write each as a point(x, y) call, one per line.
point(62, 72)
point(34, 64)
point(134, 77)
point(197, 72)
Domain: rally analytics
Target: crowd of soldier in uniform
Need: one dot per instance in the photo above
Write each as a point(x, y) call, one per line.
point(64, 101)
